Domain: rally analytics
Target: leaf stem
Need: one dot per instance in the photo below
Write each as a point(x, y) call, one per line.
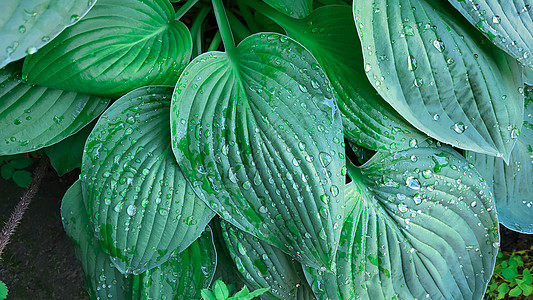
point(240, 31)
point(195, 29)
point(247, 15)
point(282, 20)
point(215, 42)
point(185, 8)
point(18, 212)
point(223, 26)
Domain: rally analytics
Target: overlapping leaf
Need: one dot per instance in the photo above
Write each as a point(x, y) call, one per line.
point(258, 134)
point(422, 226)
point(512, 183)
point(33, 117)
point(118, 46)
point(183, 276)
point(441, 76)
point(508, 24)
point(330, 35)
point(26, 26)
point(293, 8)
point(265, 266)
point(137, 198)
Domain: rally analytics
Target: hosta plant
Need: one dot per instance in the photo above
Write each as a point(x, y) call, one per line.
point(320, 149)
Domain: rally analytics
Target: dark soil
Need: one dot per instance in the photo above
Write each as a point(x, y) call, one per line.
point(39, 263)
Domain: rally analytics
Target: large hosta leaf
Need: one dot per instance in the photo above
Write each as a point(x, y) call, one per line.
point(512, 183)
point(440, 74)
point(183, 276)
point(136, 196)
point(294, 8)
point(423, 226)
point(265, 266)
point(508, 24)
point(330, 35)
point(26, 26)
point(258, 134)
point(120, 45)
point(33, 117)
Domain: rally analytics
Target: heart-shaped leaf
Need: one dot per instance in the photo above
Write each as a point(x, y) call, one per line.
point(183, 276)
point(293, 8)
point(440, 74)
point(422, 226)
point(508, 24)
point(33, 117)
point(258, 134)
point(136, 196)
point(118, 46)
point(26, 26)
point(512, 183)
point(330, 35)
point(265, 266)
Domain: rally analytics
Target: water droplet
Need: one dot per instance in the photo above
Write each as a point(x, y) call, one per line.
point(459, 127)
point(31, 50)
point(417, 199)
point(408, 30)
point(295, 162)
point(322, 234)
point(263, 210)
point(414, 158)
point(74, 18)
point(427, 174)
point(334, 190)
point(22, 29)
point(325, 159)
point(436, 117)
point(131, 210)
point(496, 19)
point(413, 143)
point(473, 204)
point(439, 45)
point(412, 183)
point(302, 88)
point(231, 176)
point(246, 185)
point(368, 67)
point(440, 160)
point(402, 207)
point(411, 63)
point(45, 38)
point(515, 133)
point(418, 82)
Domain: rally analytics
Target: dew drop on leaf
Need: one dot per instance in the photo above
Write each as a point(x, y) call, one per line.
point(412, 183)
point(439, 45)
point(402, 207)
point(459, 127)
point(325, 159)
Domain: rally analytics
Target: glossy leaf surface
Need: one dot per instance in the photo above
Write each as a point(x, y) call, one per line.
point(26, 26)
point(33, 117)
point(181, 277)
point(136, 196)
point(513, 183)
point(440, 74)
point(422, 226)
point(292, 8)
point(330, 35)
point(120, 45)
point(258, 134)
point(508, 24)
point(265, 266)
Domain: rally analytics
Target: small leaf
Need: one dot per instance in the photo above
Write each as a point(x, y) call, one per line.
point(26, 26)
point(527, 289)
point(66, 155)
point(208, 295)
point(258, 292)
point(22, 178)
point(528, 279)
point(6, 171)
point(462, 90)
point(509, 273)
point(20, 162)
point(138, 43)
point(136, 195)
point(515, 292)
point(221, 290)
point(34, 117)
point(3, 291)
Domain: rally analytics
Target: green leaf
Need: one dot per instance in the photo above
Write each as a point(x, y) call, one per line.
point(422, 225)
point(20, 162)
point(528, 279)
point(208, 295)
point(137, 198)
point(3, 290)
point(440, 74)
point(330, 35)
point(512, 183)
point(26, 26)
point(259, 292)
point(66, 155)
point(33, 117)
point(264, 266)
point(515, 292)
point(508, 25)
point(181, 277)
point(22, 178)
point(138, 43)
point(6, 171)
point(263, 145)
point(221, 290)
point(293, 8)
point(503, 288)
point(527, 289)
